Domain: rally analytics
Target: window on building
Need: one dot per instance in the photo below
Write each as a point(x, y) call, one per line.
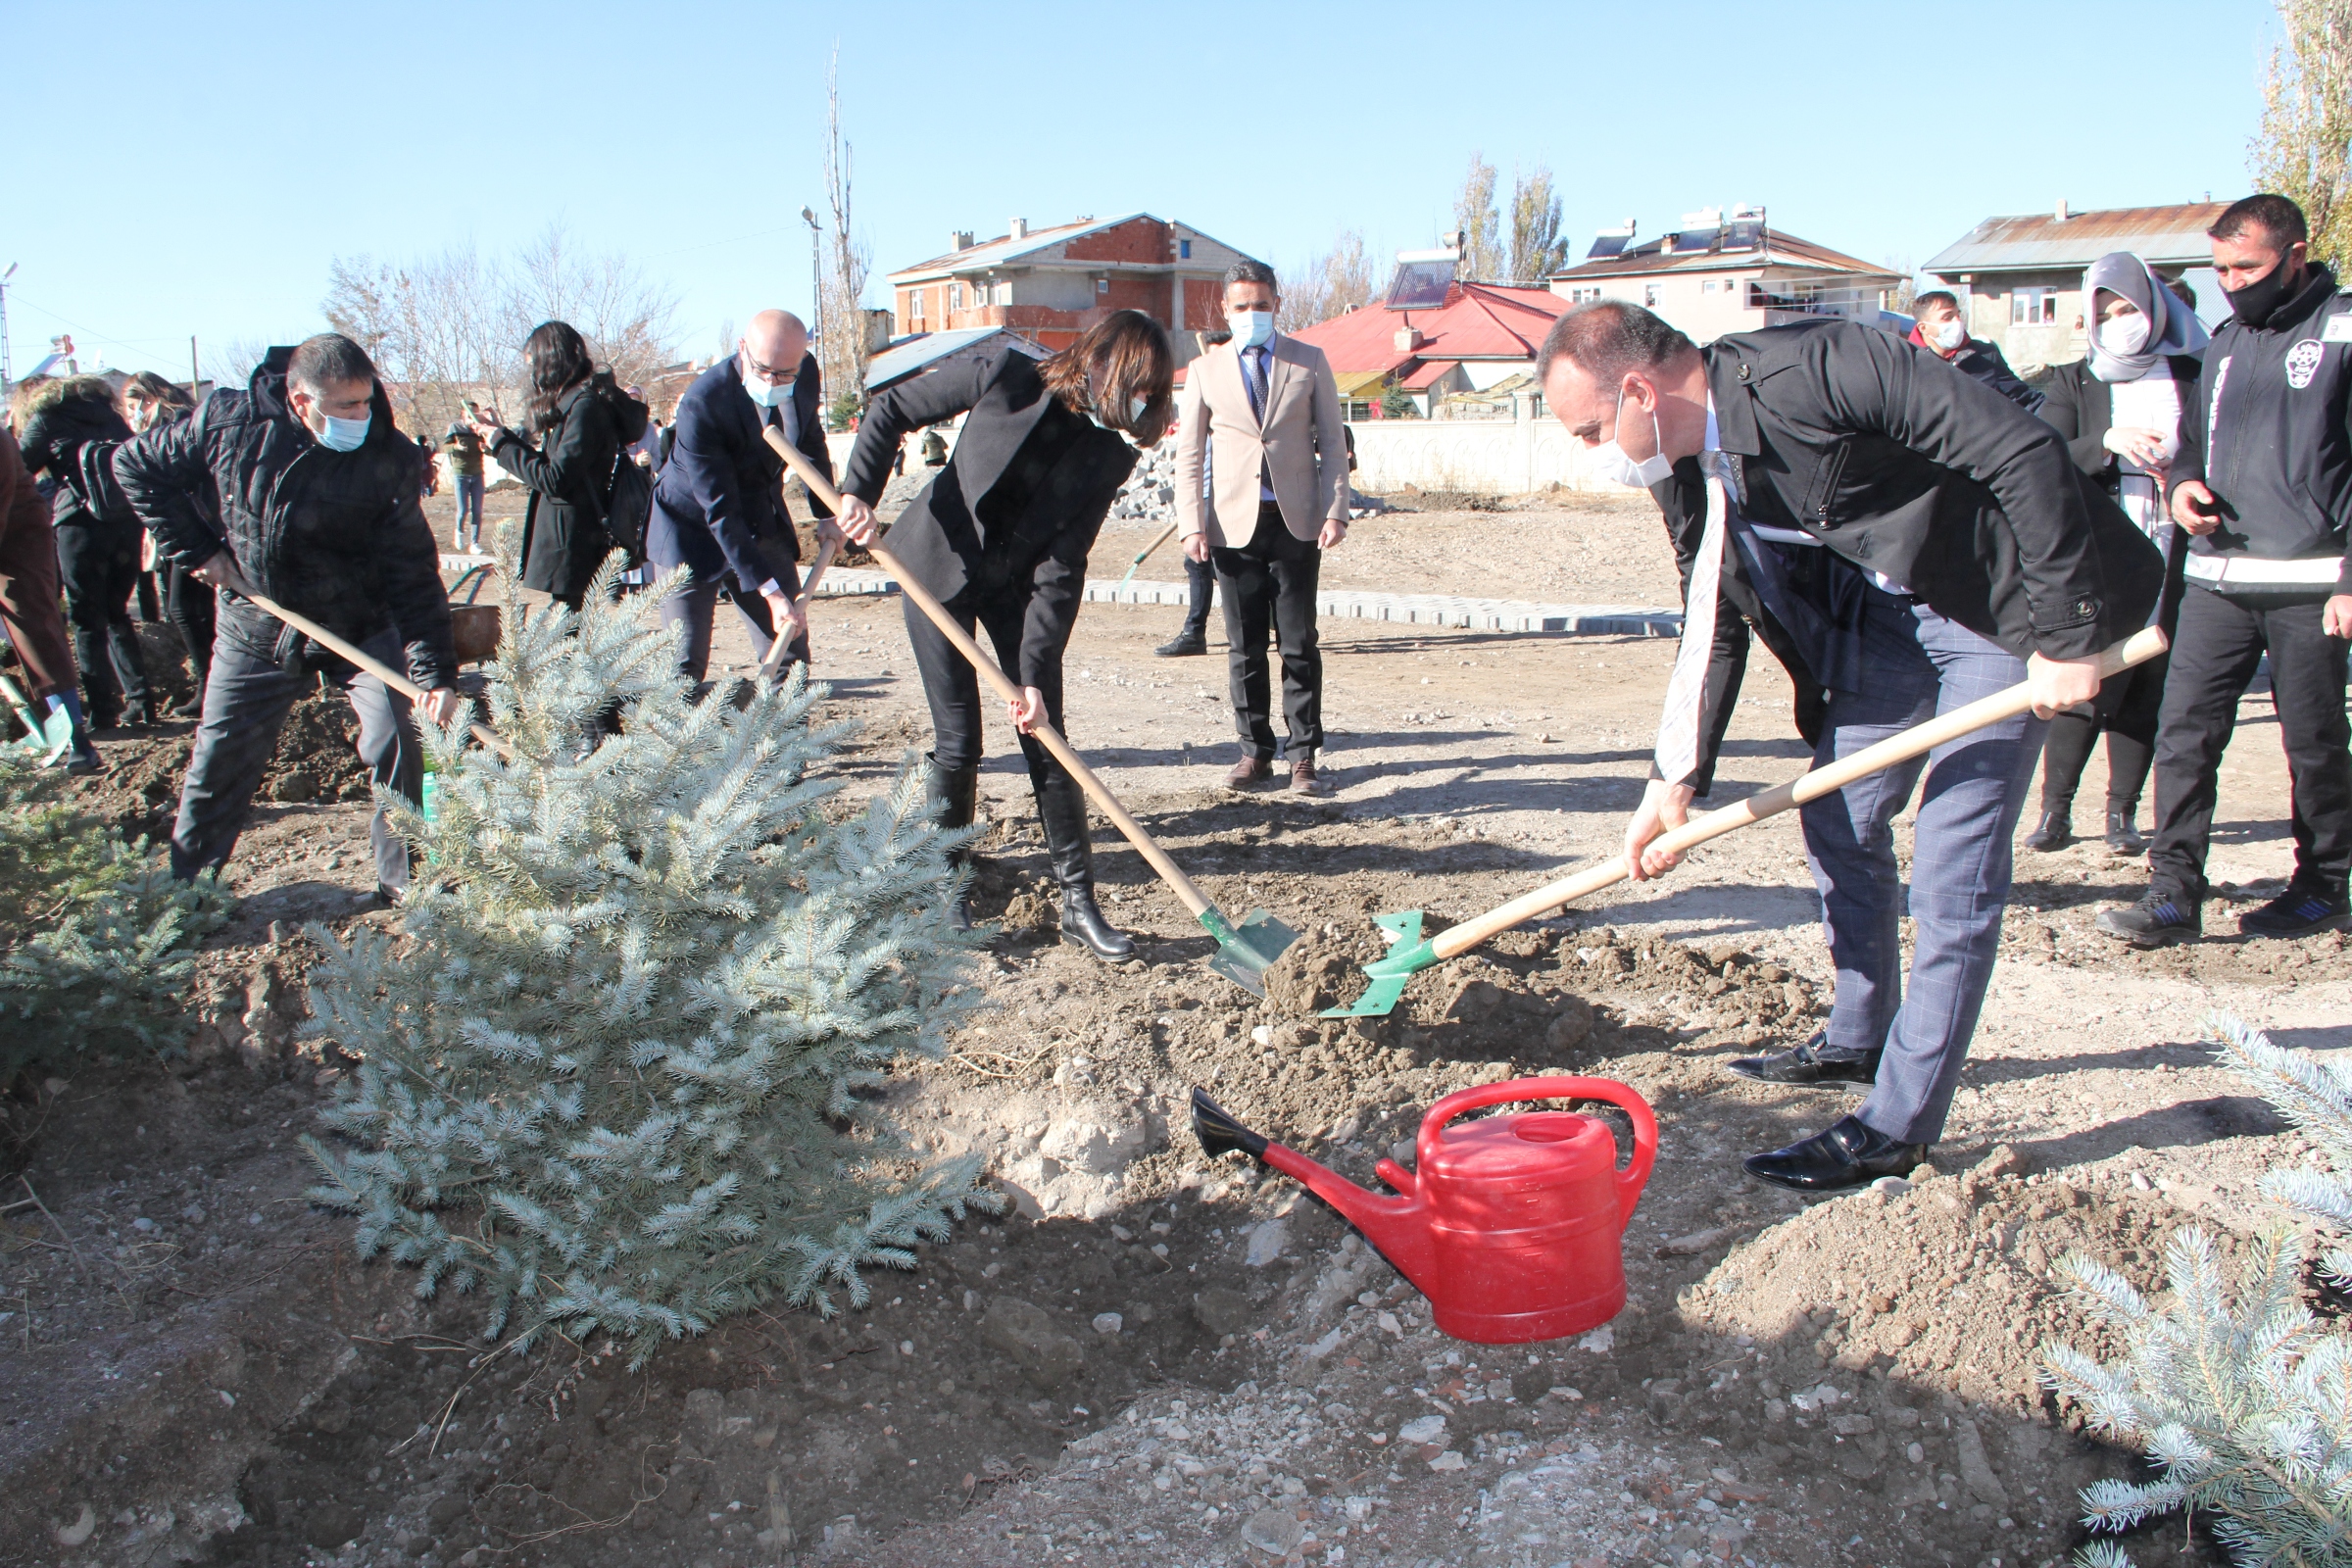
point(1708, 286)
point(1101, 285)
point(1184, 250)
point(954, 296)
point(1584, 294)
point(2033, 306)
point(1003, 294)
point(915, 305)
point(1652, 294)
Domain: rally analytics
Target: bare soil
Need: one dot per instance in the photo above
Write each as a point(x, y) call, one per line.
point(194, 1368)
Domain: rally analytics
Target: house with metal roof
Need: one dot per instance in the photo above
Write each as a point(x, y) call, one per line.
point(2020, 279)
point(1717, 273)
point(1050, 284)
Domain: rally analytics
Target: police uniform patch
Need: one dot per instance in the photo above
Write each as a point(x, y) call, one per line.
point(2303, 363)
point(2338, 328)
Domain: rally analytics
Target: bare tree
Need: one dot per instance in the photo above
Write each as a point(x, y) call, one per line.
point(841, 302)
point(1537, 249)
point(445, 328)
point(2304, 149)
point(230, 363)
point(1474, 215)
point(1330, 284)
point(627, 318)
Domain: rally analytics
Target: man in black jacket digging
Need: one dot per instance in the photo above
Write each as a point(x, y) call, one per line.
point(1907, 541)
point(316, 492)
point(2263, 486)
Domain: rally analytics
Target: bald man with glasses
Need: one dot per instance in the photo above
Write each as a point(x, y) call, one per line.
point(719, 506)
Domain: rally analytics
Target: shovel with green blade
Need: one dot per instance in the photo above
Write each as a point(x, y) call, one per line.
point(1243, 951)
point(1140, 554)
point(1409, 954)
point(47, 739)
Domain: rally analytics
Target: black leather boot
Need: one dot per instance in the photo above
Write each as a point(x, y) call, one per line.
point(1061, 809)
point(2055, 831)
point(956, 796)
point(2123, 829)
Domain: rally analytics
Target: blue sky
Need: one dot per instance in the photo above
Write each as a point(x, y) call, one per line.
point(194, 169)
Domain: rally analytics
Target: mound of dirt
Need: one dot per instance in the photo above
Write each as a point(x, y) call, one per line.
point(317, 760)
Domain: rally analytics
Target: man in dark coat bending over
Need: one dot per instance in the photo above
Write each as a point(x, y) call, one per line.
point(317, 493)
point(1906, 541)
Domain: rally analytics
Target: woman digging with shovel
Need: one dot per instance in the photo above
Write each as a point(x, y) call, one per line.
point(1000, 538)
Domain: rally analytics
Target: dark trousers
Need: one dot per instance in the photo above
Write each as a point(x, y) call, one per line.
point(2127, 712)
point(99, 564)
point(2219, 644)
point(1970, 791)
point(245, 704)
point(1269, 583)
point(953, 687)
point(1200, 583)
point(190, 604)
point(694, 607)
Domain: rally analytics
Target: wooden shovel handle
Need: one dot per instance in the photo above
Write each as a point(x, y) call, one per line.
point(816, 571)
point(1917, 741)
point(366, 662)
point(819, 486)
point(1142, 554)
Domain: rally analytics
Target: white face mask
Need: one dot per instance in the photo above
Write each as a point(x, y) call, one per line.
point(2123, 335)
point(1949, 336)
point(1250, 329)
point(1615, 465)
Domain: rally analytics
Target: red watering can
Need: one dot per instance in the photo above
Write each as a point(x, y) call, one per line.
point(1510, 1225)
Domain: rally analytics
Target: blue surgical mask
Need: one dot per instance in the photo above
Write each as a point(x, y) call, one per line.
point(345, 435)
point(767, 396)
point(1250, 329)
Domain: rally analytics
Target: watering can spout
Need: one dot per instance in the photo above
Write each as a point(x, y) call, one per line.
point(1399, 1227)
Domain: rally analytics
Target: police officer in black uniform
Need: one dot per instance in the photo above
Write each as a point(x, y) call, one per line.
point(2263, 486)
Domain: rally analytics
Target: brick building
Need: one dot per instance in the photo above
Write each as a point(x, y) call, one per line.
point(1050, 284)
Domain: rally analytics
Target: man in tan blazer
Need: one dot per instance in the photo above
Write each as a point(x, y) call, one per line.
point(1265, 419)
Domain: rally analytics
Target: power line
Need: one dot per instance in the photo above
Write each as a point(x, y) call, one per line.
point(91, 332)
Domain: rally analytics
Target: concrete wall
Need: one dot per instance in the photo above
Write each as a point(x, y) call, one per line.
point(1485, 457)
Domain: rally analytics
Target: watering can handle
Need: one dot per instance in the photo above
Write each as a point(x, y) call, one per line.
point(1630, 1181)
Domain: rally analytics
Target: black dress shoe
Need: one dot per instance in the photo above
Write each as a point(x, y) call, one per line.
point(1182, 647)
point(2054, 832)
point(1849, 1155)
point(1811, 1066)
point(2122, 836)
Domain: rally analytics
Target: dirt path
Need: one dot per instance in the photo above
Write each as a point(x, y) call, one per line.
point(1846, 1382)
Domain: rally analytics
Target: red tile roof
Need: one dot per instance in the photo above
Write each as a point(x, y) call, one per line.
point(1477, 321)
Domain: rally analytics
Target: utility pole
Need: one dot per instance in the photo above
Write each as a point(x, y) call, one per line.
point(194, 374)
point(8, 373)
point(816, 277)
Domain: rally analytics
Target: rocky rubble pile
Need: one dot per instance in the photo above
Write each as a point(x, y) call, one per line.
point(1149, 494)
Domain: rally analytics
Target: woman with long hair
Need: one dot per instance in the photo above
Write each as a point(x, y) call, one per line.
point(149, 401)
point(2120, 411)
point(583, 423)
point(1000, 538)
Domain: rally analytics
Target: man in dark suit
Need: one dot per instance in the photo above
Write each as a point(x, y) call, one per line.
point(719, 506)
point(1908, 541)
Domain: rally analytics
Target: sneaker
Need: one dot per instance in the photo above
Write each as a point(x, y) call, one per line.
point(2157, 920)
point(2298, 911)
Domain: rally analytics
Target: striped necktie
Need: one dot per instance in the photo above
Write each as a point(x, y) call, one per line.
point(1678, 728)
point(1253, 380)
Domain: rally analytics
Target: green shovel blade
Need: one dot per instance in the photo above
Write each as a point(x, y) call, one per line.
point(1407, 957)
point(1245, 951)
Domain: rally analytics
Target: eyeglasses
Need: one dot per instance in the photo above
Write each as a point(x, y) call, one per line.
point(774, 375)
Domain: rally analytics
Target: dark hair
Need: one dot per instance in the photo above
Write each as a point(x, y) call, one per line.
point(1127, 353)
point(329, 359)
point(2280, 220)
point(155, 389)
point(2180, 287)
point(557, 357)
point(1609, 337)
point(1934, 296)
point(1247, 270)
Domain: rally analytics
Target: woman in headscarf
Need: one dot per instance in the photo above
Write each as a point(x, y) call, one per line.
point(2120, 412)
point(1000, 538)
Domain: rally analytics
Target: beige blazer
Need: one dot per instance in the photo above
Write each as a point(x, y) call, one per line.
point(1300, 450)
